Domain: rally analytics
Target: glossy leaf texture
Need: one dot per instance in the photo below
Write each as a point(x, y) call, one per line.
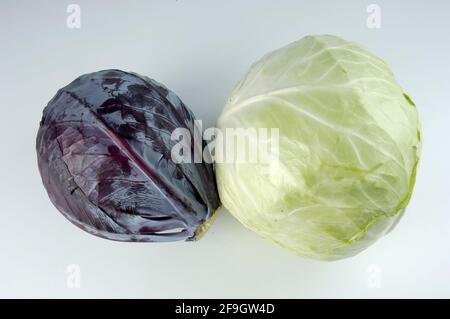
point(104, 154)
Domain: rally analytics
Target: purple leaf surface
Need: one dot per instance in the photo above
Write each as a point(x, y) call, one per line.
point(104, 154)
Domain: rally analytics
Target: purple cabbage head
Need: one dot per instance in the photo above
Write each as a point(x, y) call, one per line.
point(104, 154)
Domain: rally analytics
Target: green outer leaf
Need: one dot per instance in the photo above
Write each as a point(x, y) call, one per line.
point(349, 148)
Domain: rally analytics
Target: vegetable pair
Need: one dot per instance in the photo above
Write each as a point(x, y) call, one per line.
point(343, 172)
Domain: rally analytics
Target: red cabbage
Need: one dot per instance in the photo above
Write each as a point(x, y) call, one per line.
point(104, 154)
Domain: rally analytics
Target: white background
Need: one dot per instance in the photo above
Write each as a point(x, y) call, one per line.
point(200, 49)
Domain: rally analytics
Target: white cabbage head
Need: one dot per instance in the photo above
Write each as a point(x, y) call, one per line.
point(349, 145)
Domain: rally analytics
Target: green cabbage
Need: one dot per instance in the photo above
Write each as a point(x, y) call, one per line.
point(349, 145)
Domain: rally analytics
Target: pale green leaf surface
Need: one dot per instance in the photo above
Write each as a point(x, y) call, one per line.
point(349, 147)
